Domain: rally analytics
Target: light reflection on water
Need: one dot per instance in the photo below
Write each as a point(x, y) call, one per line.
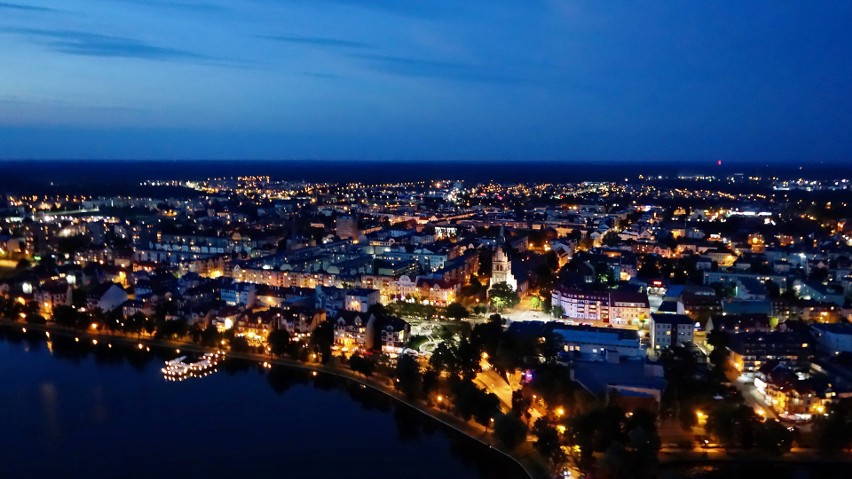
point(79, 412)
point(49, 404)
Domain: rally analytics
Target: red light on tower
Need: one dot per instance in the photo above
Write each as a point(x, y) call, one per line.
point(719, 162)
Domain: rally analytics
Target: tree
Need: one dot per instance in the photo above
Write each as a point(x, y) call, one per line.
point(457, 311)
point(136, 322)
point(67, 316)
point(553, 383)
point(172, 330)
point(486, 336)
point(774, 438)
point(487, 407)
point(550, 346)
point(734, 424)
point(322, 338)
point(718, 338)
point(520, 403)
point(557, 311)
point(78, 297)
point(278, 341)
point(430, 381)
point(362, 365)
point(719, 356)
point(547, 442)
point(465, 395)
point(629, 445)
point(209, 337)
point(239, 344)
point(356, 362)
point(503, 296)
point(509, 430)
point(407, 376)
point(535, 302)
point(468, 359)
point(834, 431)
point(445, 358)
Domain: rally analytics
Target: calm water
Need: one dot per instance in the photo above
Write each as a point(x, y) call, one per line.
point(71, 411)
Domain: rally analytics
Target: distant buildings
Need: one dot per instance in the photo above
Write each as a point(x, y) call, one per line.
point(256, 255)
point(794, 395)
point(609, 306)
point(670, 330)
point(599, 344)
point(346, 227)
point(749, 351)
point(106, 297)
point(833, 338)
point(739, 323)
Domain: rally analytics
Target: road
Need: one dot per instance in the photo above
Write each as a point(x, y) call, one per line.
point(493, 382)
point(750, 394)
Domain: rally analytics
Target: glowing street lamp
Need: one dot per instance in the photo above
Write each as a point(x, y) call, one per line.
point(702, 418)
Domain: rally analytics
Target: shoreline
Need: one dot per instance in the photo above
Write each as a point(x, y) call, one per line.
point(448, 420)
point(668, 458)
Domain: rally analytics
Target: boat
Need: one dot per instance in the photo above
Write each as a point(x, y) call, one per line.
point(179, 369)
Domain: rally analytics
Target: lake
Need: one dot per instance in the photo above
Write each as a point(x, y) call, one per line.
point(74, 410)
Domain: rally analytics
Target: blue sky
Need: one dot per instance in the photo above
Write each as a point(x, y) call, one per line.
point(426, 79)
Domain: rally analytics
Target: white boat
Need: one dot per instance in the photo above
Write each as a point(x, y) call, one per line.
point(179, 369)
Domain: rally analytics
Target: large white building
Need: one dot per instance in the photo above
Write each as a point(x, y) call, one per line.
point(593, 343)
point(833, 338)
point(621, 308)
point(669, 330)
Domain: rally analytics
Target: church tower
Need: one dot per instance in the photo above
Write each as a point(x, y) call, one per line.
point(501, 266)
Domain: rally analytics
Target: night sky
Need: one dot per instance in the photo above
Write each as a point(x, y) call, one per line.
point(427, 79)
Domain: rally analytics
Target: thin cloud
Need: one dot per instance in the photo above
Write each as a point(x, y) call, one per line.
point(97, 45)
point(427, 9)
point(317, 41)
point(25, 8)
point(423, 68)
point(323, 76)
point(200, 7)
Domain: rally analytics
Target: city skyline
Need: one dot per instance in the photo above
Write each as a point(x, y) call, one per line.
point(347, 79)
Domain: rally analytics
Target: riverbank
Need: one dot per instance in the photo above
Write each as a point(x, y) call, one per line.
point(525, 456)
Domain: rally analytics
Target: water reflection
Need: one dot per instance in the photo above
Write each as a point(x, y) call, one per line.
point(121, 393)
point(49, 404)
